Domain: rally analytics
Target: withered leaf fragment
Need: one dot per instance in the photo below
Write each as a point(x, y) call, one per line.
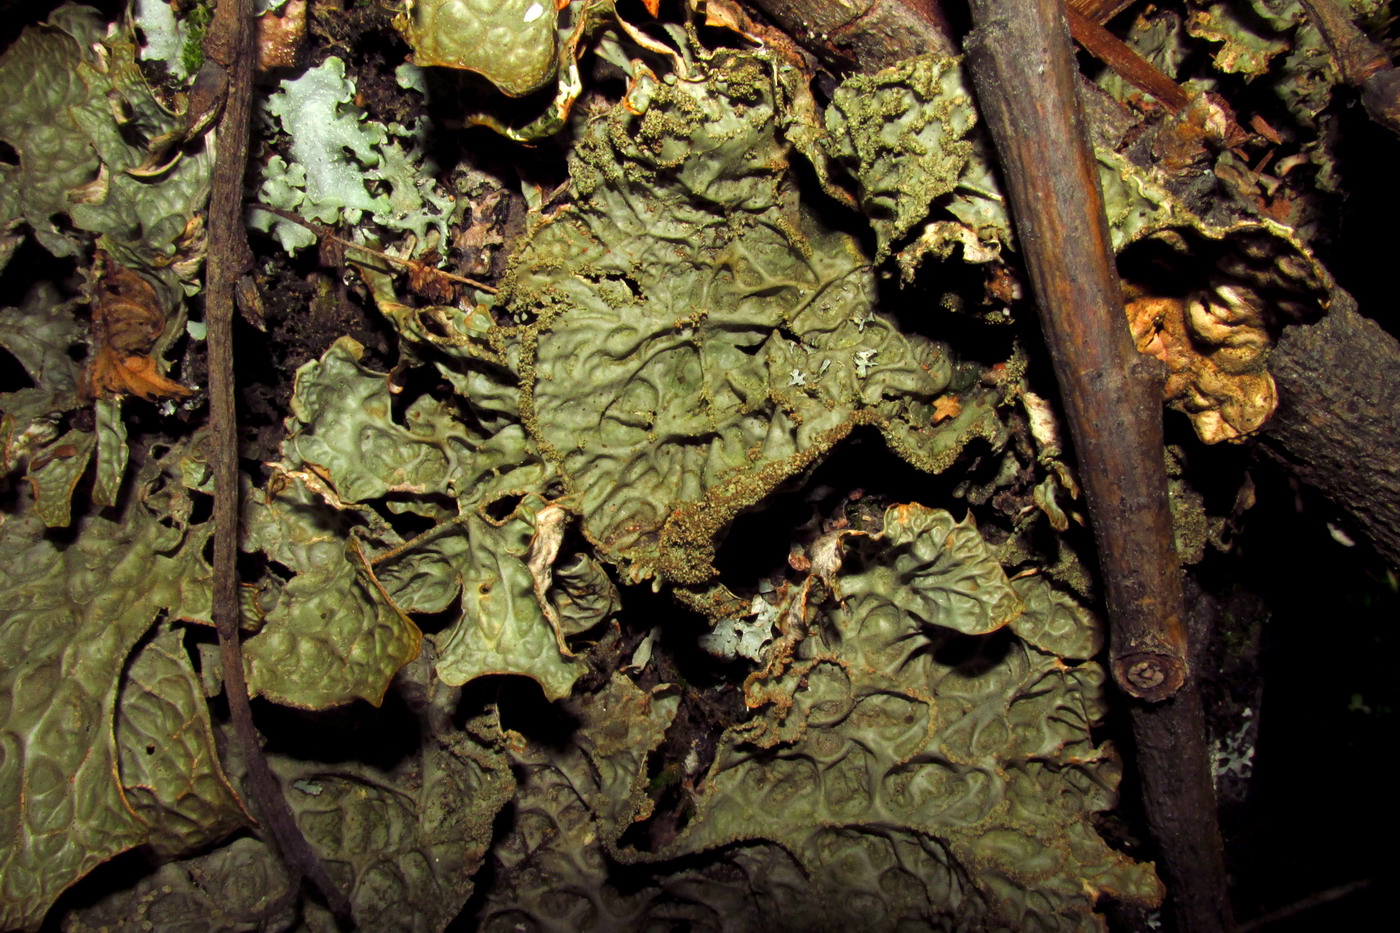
point(1215, 346)
point(127, 320)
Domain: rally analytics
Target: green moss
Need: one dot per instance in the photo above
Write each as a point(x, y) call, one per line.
point(197, 20)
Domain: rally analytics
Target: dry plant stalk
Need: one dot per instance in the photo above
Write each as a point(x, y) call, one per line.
point(231, 54)
point(1024, 74)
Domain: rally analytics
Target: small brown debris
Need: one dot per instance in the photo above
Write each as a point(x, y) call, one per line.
point(798, 559)
point(1002, 285)
point(424, 278)
point(1262, 127)
point(946, 407)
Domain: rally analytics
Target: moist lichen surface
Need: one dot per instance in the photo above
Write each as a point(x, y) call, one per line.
point(484, 585)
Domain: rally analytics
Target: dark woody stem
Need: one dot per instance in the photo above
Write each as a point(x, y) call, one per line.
point(1024, 74)
point(229, 47)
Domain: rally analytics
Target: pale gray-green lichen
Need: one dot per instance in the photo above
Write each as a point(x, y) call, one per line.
point(75, 615)
point(887, 718)
point(693, 335)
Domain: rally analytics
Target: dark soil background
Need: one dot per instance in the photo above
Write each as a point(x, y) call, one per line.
point(1304, 636)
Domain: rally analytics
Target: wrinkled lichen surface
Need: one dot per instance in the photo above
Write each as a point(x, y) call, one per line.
point(687, 333)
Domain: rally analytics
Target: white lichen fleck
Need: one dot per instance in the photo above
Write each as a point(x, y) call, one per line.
point(744, 637)
point(1234, 753)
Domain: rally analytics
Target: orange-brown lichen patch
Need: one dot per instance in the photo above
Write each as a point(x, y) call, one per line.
point(1215, 345)
point(127, 320)
point(280, 35)
point(945, 407)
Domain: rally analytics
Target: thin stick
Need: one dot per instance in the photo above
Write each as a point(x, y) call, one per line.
point(1101, 11)
point(1112, 394)
point(394, 553)
point(1123, 59)
point(230, 47)
point(326, 233)
point(868, 35)
point(1361, 61)
point(1024, 74)
point(1306, 904)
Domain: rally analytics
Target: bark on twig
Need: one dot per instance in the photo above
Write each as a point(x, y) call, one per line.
point(1023, 71)
point(1361, 61)
point(864, 35)
point(230, 49)
point(1177, 794)
point(1123, 59)
point(1101, 11)
point(867, 35)
point(1024, 74)
point(1308, 903)
point(324, 232)
point(1337, 427)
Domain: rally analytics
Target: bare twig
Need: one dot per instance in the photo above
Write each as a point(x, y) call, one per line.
point(1118, 55)
point(394, 553)
point(1112, 394)
point(1338, 421)
point(1024, 74)
point(1361, 61)
point(1101, 11)
point(326, 233)
point(1306, 904)
point(1356, 56)
point(229, 48)
point(870, 34)
point(864, 34)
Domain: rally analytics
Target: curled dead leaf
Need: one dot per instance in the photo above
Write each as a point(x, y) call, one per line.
point(727, 14)
point(945, 407)
point(127, 320)
point(550, 525)
point(426, 280)
point(1215, 344)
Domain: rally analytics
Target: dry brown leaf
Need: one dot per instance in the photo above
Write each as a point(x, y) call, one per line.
point(426, 280)
point(127, 320)
point(729, 15)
